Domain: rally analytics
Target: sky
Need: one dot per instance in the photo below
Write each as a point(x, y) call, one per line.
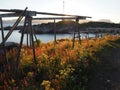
point(97, 9)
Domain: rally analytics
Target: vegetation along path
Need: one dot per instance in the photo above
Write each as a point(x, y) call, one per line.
point(93, 65)
point(108, 76)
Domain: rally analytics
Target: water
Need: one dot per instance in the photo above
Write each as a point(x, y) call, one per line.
point(15, 36)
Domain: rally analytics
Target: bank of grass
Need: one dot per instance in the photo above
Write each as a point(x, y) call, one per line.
point(59, 67)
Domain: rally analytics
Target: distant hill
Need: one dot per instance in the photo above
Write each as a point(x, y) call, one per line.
point(67, 26)
point(100, 24)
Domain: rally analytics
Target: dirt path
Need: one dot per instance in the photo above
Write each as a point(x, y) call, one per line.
point(108, 77)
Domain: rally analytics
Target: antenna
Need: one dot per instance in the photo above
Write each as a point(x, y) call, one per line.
point(63, 6)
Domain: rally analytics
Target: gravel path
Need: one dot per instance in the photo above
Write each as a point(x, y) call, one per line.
point(109, 77)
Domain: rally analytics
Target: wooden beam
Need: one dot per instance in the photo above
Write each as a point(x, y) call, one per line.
point(9, 15)
point(34, 13)
point(52, 18)
point(57, 18)
point(12, 10)
point(57, 14)
point(17, 14)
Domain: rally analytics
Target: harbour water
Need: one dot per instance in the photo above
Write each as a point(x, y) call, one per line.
point(15, 36)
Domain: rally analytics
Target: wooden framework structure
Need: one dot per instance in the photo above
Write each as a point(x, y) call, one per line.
point(28, 24)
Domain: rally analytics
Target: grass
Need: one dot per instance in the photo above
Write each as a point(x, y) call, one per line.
point(58, 68)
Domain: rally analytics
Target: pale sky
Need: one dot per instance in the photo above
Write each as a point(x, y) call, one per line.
point(97, 9)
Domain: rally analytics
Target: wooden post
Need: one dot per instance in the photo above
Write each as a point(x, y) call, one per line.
point(74, 35)
point(27, 38)
point(19, 50)
point(32, 40)
point(54, 33)
point(35, 35)
point(2, 29)
point(4, 50)
point(27, 32)
point(78, 29)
